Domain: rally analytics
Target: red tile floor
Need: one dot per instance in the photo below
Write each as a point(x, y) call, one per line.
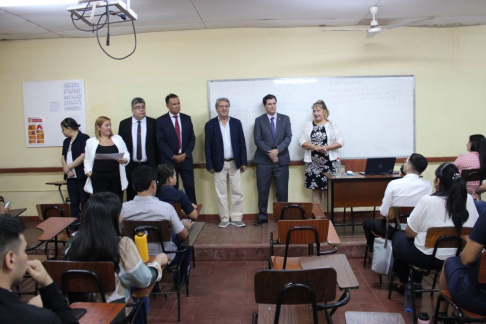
point(223, 292)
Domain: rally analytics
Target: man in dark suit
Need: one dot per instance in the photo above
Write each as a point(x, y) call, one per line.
point(138, 133)
point(176, 141)
point(272, 135)
point(226, 158)
point(50, 307)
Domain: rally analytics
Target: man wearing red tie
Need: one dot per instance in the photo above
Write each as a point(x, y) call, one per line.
point(176, 141)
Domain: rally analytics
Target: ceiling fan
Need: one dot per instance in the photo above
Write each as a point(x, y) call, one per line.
point(375, 28)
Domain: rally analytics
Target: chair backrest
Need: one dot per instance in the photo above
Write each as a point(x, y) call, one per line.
point(268, 283)
point(471, 175)
point(163, 228)
point(302, 236)
point(53, 210)
point(355, 165)
point(291, 210)
point(482, 269)
point(82, 281)
point(448, 236)
point(178, 209)
point(399, 211)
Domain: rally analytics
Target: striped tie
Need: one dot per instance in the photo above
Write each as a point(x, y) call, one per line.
point(178, 132)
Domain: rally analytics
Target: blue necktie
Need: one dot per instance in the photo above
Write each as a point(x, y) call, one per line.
point(274, 132)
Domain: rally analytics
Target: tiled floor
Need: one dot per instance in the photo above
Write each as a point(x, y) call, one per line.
point(222, 292)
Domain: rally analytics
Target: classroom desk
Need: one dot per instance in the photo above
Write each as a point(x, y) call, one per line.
point(373, 318)
point(51, 227)
point(16, 212)
point(345, 275)
point(356, 191)
point(100, 313)
point(59, 184)
point(194, 232)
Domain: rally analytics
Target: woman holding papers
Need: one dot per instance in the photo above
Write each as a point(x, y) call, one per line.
point(72, 163)
point(321, 140)
point(474, 159)
point(103, 163)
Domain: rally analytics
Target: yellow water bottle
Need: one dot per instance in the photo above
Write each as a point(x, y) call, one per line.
point(142, 245)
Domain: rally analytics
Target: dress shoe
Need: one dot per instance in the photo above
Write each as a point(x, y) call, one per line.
point(259, 222)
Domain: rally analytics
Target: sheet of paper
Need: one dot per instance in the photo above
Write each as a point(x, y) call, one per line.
point(112, 156)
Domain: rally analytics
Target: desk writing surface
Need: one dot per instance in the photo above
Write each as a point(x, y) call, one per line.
point(194, 232)
point(345, 275)
point(53, 226)
point(99, 313)
point(16, 212)
point(373, 318)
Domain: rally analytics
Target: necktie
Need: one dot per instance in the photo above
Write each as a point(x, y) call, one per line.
point(274, 132)
point(139, 141)
point(178, 132)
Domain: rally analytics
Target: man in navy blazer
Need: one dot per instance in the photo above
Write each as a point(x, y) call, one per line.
point(226, 158)
point(176, 141)
point(146, 154)
point(272, 135)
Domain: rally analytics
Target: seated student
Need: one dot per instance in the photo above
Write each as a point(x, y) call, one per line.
point(51, 304)
point(401, 192)
point(474, 159)
point(146, 207)
point(99, 239)
point(3, 209)
point(449, 206)
point(167, 178)
point(460, 274)
point(480, 205)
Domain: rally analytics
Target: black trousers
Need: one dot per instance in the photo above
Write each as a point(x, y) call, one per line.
point(406, 253)
point(107, 181)
point(378, 226)
point(77, 195)
point(186, 171)
point(280, 175)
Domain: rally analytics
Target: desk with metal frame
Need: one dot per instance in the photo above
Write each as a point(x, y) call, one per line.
point(100, 313)
point(59, 184)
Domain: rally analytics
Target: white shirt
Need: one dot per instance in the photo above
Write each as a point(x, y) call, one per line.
point(274, 120)
point(143, 125)
point(225, 133)
point(69, 159)
point(180, 126)
point(405, 192)
point(431, 212)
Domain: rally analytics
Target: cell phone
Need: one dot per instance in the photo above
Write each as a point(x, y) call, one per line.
point(7, 204)
point(78, 312)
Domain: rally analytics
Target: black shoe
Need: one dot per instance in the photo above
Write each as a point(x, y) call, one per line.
point(259, 222)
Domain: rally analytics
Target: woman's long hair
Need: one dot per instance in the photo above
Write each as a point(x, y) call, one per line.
point(99, 233)
point(478, 144)
point(453, 187)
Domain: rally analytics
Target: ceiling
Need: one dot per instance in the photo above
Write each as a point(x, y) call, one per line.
point(38, 22)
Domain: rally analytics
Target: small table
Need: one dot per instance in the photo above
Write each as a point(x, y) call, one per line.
point(356, 191)
point(51, 227)
point(100, 313)
point(345, 275)
point(373, 318)
point(59, 184)
point(194, 232)
point(16, 212)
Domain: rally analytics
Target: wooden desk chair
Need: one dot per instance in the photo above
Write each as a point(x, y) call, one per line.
point(292, 291)
point(437, 237)
point(182, 215)
point(159, 232)
point(464, 315)
point(298, 232)
point(89, 278)
point(472, 175)
point(292, 211)
point(55, 210)
point(395, 216)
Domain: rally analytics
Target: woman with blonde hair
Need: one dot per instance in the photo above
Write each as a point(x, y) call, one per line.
point(105, 175)
point(321, 139)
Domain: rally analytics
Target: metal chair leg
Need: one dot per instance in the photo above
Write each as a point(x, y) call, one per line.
point(391, 285)
point(366, 256)
point(193, 258)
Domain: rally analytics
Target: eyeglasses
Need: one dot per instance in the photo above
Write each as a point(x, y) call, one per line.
point(139, 108)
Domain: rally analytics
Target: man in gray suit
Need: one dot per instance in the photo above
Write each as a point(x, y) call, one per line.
point(272, 134)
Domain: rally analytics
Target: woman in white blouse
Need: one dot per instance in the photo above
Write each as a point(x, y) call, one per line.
point(321, 140)
point(105, 175)
point(451, 205)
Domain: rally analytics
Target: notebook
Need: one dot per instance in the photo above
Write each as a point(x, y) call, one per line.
point(378, 166)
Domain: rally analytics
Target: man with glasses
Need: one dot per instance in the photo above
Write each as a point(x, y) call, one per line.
point(139, 134)
point(405, 192)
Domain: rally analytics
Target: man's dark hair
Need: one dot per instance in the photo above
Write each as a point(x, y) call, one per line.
point(418, 162)
point(142, 177)
point(170, 96)
point(268, 97)
point(137, 100)
point(10, 230)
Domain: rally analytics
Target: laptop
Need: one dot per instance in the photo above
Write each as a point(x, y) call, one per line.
point(378, 166)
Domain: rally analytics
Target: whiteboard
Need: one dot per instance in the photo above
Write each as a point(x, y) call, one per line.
point(376, 114)
point(46, 104)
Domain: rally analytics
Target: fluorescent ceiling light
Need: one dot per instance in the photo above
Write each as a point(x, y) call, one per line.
point(21, 3)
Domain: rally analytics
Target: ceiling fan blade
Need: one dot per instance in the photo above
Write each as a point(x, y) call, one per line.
point(407, 22)
point(371, 35)
point(345, 29)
